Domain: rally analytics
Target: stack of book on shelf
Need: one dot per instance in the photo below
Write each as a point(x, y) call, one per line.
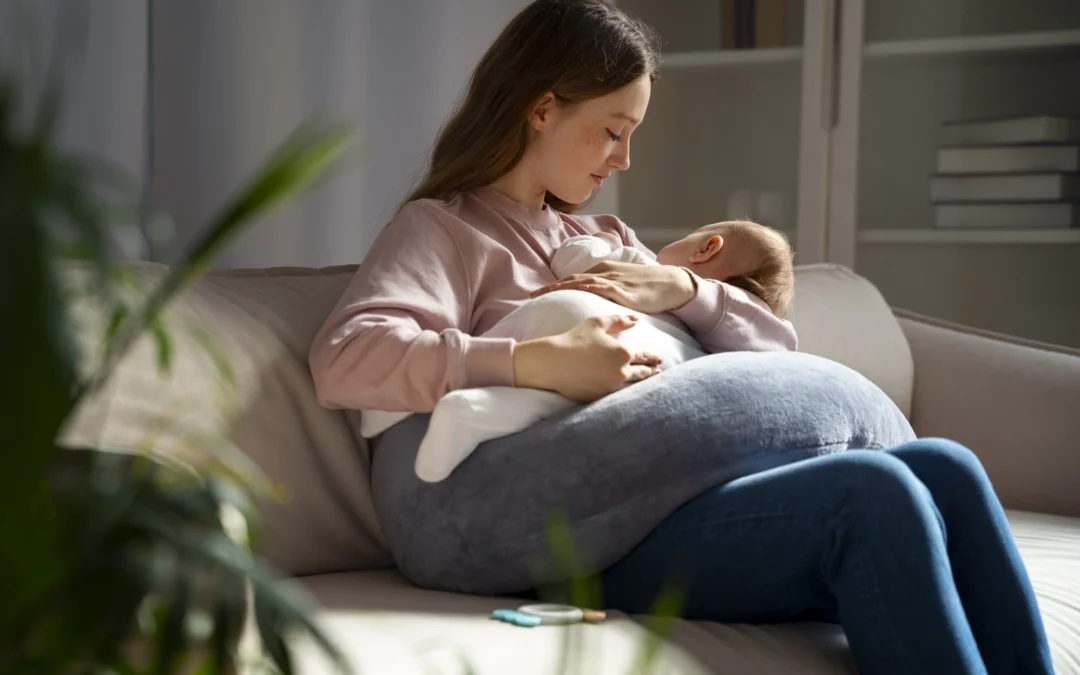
point(1014, 173)
point(746, 24)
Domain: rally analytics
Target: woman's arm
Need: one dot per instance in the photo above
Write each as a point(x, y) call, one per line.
point(726, 318)
point(397, 339)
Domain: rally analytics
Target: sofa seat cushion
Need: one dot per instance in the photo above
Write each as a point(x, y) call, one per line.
point(385, 625)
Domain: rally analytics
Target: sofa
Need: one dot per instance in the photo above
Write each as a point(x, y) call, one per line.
point(1015, 403)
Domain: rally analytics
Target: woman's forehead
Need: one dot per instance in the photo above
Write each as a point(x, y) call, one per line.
point(627, 103)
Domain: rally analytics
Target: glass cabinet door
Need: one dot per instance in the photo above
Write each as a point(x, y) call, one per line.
point(956, 159)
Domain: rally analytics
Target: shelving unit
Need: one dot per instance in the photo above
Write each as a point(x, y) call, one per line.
point(723, 58)
point(973, 237)
point(845, 122)
point(955, 46)
point(975, 45)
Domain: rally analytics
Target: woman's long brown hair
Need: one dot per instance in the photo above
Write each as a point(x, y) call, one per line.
point(577, 49)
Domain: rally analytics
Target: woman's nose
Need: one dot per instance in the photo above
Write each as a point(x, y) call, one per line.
point(620, 159)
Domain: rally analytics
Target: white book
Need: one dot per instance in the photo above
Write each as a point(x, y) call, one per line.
point(1019, 187)
point(1034, 129)
point(1009, 159)
point(1054, 215)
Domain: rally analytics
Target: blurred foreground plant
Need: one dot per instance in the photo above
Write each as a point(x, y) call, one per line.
point(112, 563)
point(583, 588)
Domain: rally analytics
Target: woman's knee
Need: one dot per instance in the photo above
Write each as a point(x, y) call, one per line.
point(879, 490)
point(872, 479)
point(940, 459)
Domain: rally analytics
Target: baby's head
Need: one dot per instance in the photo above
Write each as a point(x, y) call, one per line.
point(742, 253)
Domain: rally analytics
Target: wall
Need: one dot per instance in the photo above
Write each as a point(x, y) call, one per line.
point(233, 77)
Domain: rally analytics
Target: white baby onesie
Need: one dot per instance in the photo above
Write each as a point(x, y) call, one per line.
point(578, 254)
point(464, 418)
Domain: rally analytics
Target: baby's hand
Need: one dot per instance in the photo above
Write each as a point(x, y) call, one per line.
point(612, 239)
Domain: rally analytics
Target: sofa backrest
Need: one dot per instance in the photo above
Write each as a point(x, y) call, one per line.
point(262, 322)
point(842, 316)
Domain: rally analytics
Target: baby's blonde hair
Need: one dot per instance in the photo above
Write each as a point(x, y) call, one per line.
point(773, 278)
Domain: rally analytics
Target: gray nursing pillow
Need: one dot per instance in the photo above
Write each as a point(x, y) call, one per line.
point(620, 465)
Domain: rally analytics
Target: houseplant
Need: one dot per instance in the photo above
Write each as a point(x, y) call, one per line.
point(117, 563)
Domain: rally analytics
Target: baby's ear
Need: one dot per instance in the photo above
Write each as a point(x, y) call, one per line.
point(708, 250)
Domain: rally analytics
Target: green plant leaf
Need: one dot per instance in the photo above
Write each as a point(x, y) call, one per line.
point(229, 612)
point(216, 551)
point(119, 313)
point(35, 392)
point(164, 345)
point(171, 636)
point(270, 628)
point(659, 624)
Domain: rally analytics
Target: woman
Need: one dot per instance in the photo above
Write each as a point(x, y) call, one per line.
point(719, 473)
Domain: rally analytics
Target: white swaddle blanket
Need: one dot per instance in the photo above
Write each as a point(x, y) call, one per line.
point(464, 418)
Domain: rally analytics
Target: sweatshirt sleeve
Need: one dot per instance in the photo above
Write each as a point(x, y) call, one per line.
point(726, 318)
point(398, 340)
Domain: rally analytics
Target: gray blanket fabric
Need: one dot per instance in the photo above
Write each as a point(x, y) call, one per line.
point(618, 466)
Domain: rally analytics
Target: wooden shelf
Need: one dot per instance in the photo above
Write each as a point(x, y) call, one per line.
point(952, 46)
point(731, 57)
point(981, 44)
point(928, 236)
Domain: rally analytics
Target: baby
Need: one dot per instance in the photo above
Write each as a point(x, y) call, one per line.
point(742, 253)
point(756, 258)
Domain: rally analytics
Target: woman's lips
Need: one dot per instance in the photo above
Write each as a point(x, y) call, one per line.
point(597, 179)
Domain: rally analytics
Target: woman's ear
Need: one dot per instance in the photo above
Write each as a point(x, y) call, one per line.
point(542, 111)
point(708, 250)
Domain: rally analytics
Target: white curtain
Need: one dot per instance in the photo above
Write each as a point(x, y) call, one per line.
point(102, 45)
point(229, 79)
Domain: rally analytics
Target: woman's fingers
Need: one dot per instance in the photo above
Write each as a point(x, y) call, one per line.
point(647, 358)
point(581, 282)
point(636, 373)
point(614, 323)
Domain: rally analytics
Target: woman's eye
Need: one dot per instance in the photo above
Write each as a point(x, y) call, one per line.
point(615, 137)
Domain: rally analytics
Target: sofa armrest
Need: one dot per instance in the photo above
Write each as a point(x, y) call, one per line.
point(1015, 403)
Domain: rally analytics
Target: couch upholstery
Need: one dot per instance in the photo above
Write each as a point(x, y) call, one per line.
point(1014, 403)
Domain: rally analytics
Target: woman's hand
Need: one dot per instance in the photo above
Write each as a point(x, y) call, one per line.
point(586, 362)
point(648, 289)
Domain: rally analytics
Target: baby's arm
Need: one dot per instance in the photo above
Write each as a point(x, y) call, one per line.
point(579, 254)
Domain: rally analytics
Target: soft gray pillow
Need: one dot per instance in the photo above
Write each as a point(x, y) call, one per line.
point(618, 466)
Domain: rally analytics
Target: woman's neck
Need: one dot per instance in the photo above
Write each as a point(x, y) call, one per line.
point(520, 187)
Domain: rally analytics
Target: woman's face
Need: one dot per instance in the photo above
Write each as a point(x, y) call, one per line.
point(576, 146)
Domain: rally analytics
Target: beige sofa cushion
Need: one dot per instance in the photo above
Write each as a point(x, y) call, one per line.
point(263, 322)
point(387, 626)
point(1013, 401)
point(842, 316)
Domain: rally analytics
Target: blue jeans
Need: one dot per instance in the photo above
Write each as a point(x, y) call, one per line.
point(908, 549)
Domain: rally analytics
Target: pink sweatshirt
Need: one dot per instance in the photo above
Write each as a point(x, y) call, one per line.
point(442, 272)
